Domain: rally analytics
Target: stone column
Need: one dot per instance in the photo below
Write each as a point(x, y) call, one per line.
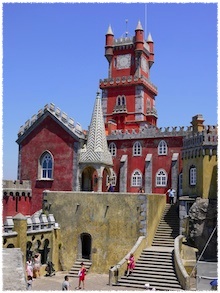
point(148, 174)
point(20, 226)
point(123, 173)
point(174, 173)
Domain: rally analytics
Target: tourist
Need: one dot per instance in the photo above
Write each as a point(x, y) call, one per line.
point(171, 192)
point(29, 267)
point(66, 284)
point(37, 264)
point(81, 274)
point(29, 282)
point(130, 264)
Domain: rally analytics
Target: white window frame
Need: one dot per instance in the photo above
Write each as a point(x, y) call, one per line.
point(161, 178)
point(136, 178)
point(162, 148)
point(192, 176)
point(112, 149)
point(46, 172)
point(137, 149)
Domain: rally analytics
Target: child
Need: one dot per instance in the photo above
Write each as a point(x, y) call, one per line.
point(81, 274)
point(29, 282)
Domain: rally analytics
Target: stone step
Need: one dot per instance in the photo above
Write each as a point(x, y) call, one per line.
point(141, 284)
point(152, 278)
point(156, 256)
point(155, 271)
point(155, 263)
point(73, 272)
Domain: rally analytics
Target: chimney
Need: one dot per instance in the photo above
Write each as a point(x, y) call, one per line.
point(197, 123)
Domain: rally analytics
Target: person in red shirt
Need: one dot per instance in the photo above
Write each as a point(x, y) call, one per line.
point(81, 274)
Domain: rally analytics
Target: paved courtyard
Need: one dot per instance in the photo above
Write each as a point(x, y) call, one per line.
point(93, 282)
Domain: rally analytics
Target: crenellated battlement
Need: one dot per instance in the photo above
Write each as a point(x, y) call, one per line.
point(17, 188)
point(209, 136)
point(149, 131)
point(118, 81)
point(56, 112)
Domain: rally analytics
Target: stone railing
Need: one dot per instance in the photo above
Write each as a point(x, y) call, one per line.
point(56, 112)
point(120, 267)
point(181, 272)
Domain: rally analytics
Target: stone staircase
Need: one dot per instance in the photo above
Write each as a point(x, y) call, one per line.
point(155, 265)
point(76, 267)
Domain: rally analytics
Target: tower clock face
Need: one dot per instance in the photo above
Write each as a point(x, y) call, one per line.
point(123, 61)
point(144, 64)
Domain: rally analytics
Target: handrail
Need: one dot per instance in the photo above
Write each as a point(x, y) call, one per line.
point(115, 269)
point(181, 272)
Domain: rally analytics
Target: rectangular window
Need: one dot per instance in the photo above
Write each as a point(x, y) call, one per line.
point(193, 176)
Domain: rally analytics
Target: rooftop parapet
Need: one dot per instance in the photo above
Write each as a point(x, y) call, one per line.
point(125, 41)
point(56, 112)
point(149, 131)
point(208, 136)
point(17, 188)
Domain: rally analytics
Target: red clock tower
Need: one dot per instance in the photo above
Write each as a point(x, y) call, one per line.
point(128, 96)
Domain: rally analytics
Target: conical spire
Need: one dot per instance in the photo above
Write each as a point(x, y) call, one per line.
point(109, 32)
point(149, 38)
point(139, 26)
point(96, 150)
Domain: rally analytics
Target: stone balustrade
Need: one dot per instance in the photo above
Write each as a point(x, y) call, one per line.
point(36, 222)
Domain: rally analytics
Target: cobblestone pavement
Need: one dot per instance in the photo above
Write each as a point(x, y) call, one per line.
point(93, 282)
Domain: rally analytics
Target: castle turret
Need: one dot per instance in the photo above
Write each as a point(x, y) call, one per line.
point(109, 44)
point(139, 38)
point(151, 49)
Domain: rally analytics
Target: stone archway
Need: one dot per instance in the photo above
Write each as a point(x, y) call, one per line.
point(89, 182)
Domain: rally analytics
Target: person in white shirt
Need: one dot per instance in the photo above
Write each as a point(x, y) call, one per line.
point(171, 193)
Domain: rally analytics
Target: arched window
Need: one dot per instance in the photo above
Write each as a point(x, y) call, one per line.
point(123, 102)
point(162, 148)
point(136, 178)
point(161, 178)
point(46, 166)
point(137, 149)
point(192, 176)
point(112, 149)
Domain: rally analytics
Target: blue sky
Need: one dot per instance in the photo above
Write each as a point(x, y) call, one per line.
point(54, 52)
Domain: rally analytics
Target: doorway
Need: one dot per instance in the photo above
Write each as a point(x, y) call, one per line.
point(86, 244)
